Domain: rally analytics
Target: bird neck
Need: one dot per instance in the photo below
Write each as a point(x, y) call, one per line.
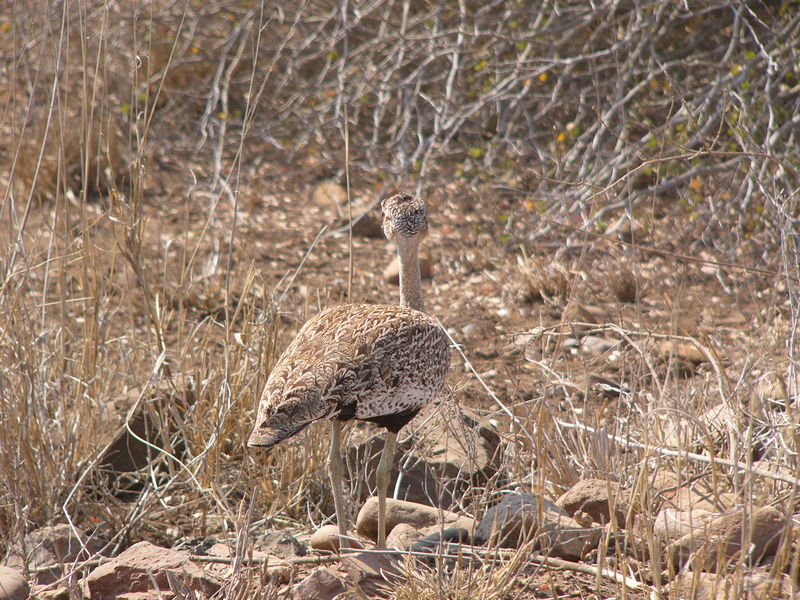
point(410, 277)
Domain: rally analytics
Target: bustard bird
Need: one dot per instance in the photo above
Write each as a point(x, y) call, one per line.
point(379, 363)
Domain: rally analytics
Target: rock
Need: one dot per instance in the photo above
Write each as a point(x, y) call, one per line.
point(131, 447)
point(757, 583)
point(402, 536)
point(143, 566)
point(449, 450)
point(777, 390)
point(325, 538)
point(443, 542)
point(720, 542)
point(450, 535)
point(562, 536)
point(53, 547)
point(13, 585)
point(321, 584)
point(597, 497)
point(281, 544)
point(701, 494)
point(399, 511)
point(462, 522)
point(597, 345)
point(672, 524)
point(511, 522)
point(522, 517)
point(391, 274)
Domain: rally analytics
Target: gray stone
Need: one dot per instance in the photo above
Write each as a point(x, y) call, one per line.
point(449, 450)
point(519, 518)
point(321, 584)
point(13, 585)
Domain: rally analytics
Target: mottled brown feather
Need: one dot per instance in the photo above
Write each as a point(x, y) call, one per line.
point(379, 363)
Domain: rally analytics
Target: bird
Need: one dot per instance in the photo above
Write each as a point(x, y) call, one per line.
point(371, 362)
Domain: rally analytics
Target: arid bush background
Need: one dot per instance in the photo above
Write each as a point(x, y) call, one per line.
point(618, 168)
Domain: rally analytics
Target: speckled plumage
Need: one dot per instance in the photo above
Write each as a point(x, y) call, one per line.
point(377, 363)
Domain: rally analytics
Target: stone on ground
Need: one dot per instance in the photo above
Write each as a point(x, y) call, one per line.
point(448, 450)
point(321, 584)
point(400, 511)
point(13, 585)
point(145, 568)
point(713, 586)
point(597, 498)
point(672, 524)
point(519, 518)
point(718, 544)
point(402, 536)
point(54, 547)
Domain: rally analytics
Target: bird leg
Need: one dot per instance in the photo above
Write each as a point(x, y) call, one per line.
point(382, 474)
point(336, 474)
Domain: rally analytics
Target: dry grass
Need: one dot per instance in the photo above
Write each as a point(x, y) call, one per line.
point(152, 252)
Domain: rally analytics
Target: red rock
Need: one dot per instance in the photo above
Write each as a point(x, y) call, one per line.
point(595, 497)
point(141, 567)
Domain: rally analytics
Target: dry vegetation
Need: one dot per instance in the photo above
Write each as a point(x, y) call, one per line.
point(627, 171)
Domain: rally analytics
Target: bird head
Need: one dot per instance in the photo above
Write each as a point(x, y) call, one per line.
point(280, 416)
point(404, 217)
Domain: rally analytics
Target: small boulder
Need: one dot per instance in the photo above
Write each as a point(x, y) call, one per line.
point(147, 568)
point(597, 498)
point(720, 542)
point(450, 535)
point(672, 524)
point(13, 585)
point(519, 518)
point(702, 495)
point(399, 511)
point(327, 538)
point(370, 572)
point(402, 536)
point(757, 583)
point(281, 544)
point(321, 584)
point(449, 450)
